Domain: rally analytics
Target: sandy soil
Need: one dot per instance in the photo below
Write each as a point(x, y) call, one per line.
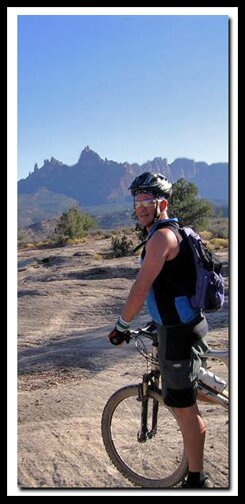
point(69, 299)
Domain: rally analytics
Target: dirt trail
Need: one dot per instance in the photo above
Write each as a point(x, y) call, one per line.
point(68, 301)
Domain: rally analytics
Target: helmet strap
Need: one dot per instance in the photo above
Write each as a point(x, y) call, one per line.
point(157, 212)
point(158, 209)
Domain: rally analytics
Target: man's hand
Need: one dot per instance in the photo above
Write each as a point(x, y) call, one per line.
point(120, 332)
point(118, 337)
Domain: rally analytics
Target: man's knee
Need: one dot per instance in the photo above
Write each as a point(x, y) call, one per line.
point(186, 416)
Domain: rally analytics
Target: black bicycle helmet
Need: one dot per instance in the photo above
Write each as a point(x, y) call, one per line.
point(152, 183)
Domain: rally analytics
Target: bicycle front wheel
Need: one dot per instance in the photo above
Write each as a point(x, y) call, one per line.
point(158, 462)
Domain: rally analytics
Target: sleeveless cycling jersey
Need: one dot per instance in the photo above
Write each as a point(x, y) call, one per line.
point(169, 299)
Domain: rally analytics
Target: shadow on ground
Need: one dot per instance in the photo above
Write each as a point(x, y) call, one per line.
point(90, 351)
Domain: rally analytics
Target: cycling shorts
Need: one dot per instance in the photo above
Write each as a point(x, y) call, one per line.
point(180, 352)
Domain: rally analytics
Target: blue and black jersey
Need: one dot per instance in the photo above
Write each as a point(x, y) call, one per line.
point(169, 299)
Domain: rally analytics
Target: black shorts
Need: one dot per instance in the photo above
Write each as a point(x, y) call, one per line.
point(180, 354)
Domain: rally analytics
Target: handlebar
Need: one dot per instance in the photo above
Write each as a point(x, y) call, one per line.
point(149, 331)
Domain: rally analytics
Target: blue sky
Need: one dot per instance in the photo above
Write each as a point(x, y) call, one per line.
point(131, 87)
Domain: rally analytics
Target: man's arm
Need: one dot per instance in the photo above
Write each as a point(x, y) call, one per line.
point(157, 252)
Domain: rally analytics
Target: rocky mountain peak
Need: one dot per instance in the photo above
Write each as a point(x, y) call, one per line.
point(52, 163)
point(87, 155)
point(94, 181)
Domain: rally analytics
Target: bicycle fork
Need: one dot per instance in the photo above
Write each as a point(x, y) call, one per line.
point(143, 397)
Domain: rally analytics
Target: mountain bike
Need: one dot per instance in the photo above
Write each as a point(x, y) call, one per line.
point(140, 433)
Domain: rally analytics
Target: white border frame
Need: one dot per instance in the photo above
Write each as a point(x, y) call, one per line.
point(12, 14)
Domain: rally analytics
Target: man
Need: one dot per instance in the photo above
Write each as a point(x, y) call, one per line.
point(165, 282)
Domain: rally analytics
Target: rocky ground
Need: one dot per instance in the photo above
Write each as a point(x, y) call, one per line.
point(68, 300)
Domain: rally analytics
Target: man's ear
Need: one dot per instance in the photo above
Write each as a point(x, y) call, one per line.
point(163, 205)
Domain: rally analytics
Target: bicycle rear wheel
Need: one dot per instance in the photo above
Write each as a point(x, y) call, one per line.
point(159, 462)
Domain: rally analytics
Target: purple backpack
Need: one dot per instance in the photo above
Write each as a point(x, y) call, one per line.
point(209, 288)
point(209, 292)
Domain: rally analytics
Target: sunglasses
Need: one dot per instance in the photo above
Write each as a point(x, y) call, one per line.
point(145, 203)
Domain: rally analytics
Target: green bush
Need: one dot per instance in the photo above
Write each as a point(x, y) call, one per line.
point(74, 224)
point(121, 246)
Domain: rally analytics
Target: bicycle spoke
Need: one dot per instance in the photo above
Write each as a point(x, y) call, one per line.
point(156, 458)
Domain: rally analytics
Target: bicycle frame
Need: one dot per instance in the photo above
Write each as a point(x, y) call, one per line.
point(152, 378)
point(205, 392)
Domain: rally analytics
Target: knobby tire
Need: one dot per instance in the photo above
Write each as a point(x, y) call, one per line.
point(160, 462)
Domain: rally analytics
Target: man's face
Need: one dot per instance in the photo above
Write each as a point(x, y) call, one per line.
point(145, 213)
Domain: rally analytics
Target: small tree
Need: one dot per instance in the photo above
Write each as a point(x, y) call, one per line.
point(188, 206)
point(74, 224)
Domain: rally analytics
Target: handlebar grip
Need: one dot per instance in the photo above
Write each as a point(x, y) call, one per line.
point(117, 338)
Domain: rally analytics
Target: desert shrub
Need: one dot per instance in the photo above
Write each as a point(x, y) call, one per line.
point(97, 257)
point(218, 243)
point(96, 233)
point(107, 235)
point(121, 246)
point(141, 232)
point(206, 235)
point(219, 228)
point(60, 240)
point(127, 230)
point(30, 245)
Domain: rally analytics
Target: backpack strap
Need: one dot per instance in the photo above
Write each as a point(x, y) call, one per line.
point(173, 225)
point(140, 245)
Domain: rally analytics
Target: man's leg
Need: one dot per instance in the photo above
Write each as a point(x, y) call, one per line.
point(193, 430)
point(179, 364)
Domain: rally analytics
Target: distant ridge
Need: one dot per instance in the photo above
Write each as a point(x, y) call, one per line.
point(96, 181)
